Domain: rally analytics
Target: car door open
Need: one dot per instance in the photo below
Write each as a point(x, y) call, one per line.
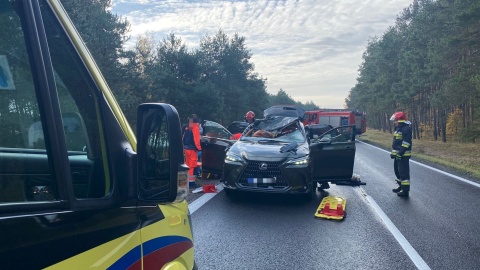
point(215, 141)
point(333, 154)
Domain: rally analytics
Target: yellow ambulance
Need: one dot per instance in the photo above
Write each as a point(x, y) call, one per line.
point(78, 188)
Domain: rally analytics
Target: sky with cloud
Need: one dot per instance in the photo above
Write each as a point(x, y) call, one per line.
point(311, 49)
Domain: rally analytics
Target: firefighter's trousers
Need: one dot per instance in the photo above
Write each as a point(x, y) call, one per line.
point(402, 168)
point(402, 172)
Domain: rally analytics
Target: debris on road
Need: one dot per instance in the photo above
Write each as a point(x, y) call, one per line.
point(355, 181)
point(198, 190)
point(206, 188)
point(209, 188)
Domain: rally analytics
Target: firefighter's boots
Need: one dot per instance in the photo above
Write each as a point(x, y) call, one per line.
point(405, 188)
point(399, 188)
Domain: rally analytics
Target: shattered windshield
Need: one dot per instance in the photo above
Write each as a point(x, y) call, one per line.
point(276, 128)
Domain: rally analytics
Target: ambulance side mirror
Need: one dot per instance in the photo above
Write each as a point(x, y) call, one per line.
point(160, 152)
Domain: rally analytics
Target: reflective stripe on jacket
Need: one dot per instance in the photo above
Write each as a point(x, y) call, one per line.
point(402, 140)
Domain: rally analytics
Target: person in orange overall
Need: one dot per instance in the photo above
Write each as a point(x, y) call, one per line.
point(191, 146)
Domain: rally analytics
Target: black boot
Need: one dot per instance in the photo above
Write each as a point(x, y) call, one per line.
point(323, 186)
point(399, 188)
point(405, 186)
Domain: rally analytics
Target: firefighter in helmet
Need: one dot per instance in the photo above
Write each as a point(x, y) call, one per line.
point(250, 117)
point(401, 153)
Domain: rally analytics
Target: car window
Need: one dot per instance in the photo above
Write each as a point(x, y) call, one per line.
point(21, 133)
point(314, 131)
point(26, 170)
point(81, 117)
point(237, 127)
point(338, 134)
point(215, 130)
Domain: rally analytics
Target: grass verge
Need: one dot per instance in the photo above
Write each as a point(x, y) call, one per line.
point(460, 157)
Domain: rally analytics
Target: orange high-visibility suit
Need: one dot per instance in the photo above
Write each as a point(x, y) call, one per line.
point(191, 145)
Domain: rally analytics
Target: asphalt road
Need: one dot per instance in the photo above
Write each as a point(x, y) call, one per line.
point(436, 228)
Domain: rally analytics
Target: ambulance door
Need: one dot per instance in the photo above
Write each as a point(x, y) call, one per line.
point(332, 154)
point(58, 205)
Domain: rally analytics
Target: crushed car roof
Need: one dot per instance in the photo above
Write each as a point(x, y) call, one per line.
point(284, 110)
point(274, 122)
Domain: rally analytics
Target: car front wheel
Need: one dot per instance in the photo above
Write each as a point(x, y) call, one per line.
point(309, 195)
point(232, 194)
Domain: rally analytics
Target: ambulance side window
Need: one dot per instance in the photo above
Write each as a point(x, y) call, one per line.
point(26, 165)
point(81, 116)
point(26, 173)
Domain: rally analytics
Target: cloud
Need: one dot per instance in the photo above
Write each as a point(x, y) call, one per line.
point(311, 49)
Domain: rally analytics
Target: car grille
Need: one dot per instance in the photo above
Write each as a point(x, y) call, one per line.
point(272, 171)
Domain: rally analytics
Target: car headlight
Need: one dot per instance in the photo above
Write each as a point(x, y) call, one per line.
point(232, 157)
point(299, 161)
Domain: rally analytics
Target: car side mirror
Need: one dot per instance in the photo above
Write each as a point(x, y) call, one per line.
point(160, 152)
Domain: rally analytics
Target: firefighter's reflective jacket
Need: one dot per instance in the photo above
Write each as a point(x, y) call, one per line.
point(402, 140)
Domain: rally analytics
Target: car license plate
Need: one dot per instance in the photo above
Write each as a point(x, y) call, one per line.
point(262, 180)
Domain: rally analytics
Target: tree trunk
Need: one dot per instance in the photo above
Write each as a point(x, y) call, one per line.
point(415, 126)
point(444, 126)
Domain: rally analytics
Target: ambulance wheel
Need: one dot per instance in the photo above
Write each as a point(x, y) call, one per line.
point(195, 267)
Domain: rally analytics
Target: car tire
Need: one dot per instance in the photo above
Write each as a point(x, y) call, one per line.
point(233, 195)
point(309, 196)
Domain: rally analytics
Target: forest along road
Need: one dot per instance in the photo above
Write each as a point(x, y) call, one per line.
point(436, 228)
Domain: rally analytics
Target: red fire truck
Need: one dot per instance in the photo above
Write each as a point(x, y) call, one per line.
point(337, 117)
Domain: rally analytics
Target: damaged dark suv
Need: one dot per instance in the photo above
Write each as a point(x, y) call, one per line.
point(275, 155)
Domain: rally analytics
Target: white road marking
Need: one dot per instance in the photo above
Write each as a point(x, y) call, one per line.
point(193, 206)
point(406, 246)
point(431, 168)
point(411, 252)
